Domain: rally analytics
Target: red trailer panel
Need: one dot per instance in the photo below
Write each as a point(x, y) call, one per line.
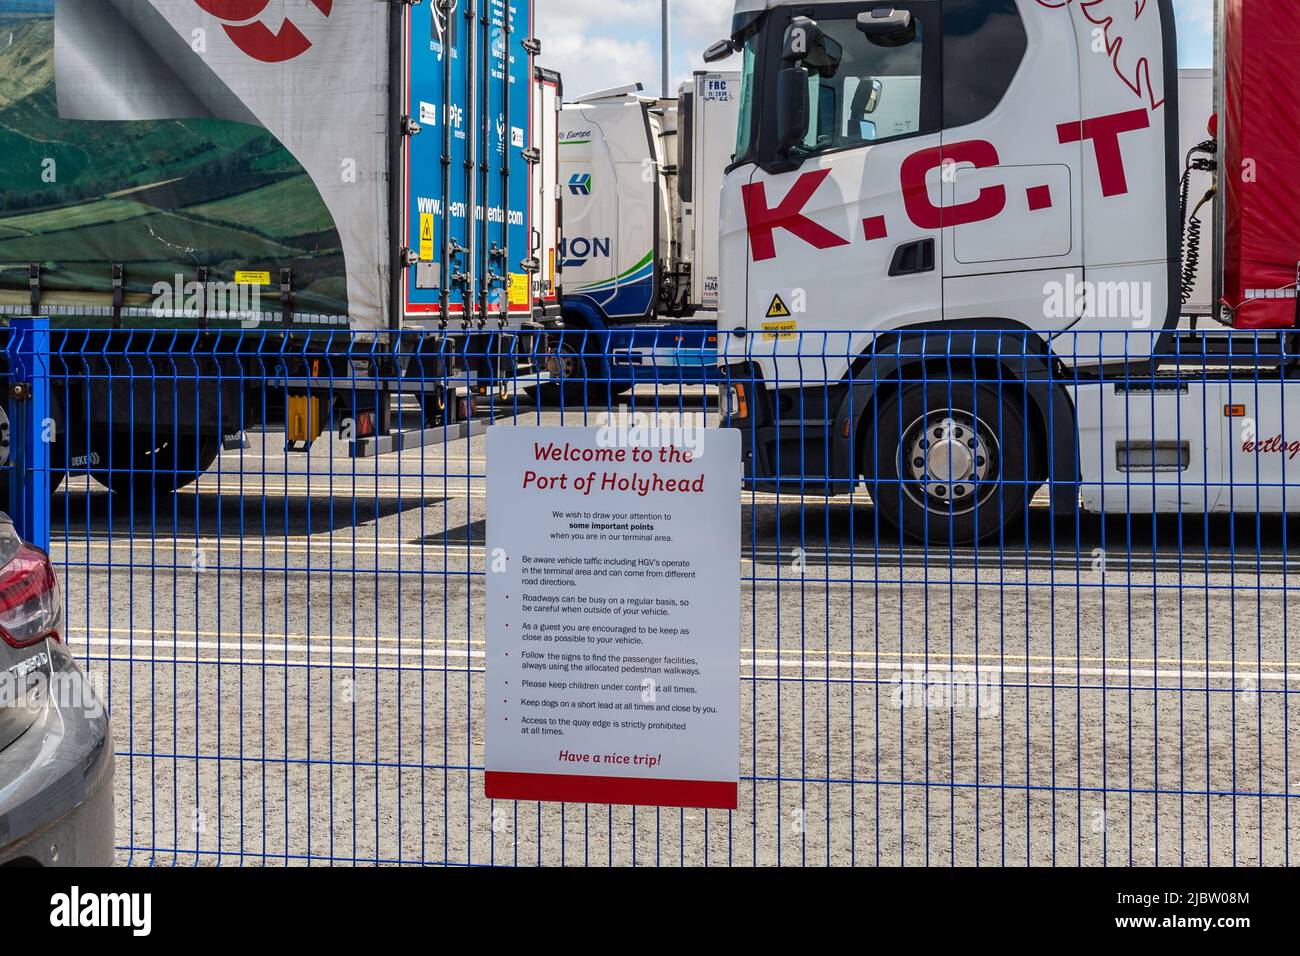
point(1261, 162)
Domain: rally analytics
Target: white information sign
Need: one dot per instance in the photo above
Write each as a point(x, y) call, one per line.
point(613, 614)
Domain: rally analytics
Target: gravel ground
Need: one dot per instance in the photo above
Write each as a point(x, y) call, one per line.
point(293, 654)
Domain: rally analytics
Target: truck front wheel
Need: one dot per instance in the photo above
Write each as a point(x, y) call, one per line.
point(949, 463)
point(579, 376)
point(158, 465)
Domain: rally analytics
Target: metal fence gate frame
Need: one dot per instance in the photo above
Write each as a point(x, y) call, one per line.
point(288, 644)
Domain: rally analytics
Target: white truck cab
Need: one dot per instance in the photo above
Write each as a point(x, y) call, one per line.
point(949, 170)
point(952, 261)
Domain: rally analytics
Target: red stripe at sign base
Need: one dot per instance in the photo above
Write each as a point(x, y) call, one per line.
point(577, 788)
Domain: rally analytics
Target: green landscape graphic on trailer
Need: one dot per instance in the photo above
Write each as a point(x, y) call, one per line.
point(163, 196)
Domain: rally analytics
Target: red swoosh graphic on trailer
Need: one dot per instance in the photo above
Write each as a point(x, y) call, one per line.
point(236, 11)
point(257, 40)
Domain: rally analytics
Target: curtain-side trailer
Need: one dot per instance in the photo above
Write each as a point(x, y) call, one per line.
point(197, 166)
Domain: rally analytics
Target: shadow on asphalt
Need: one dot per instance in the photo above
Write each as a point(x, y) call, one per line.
point(78, 514)
point(841, 535)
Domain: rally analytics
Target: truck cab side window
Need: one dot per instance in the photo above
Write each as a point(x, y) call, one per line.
point(984, 42)
point(876, 94)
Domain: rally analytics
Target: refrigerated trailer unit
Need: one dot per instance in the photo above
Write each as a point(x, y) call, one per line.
point(618, 206)
point(642, 180)
point(1024, 154)
point(198, 165)
point(707, 114)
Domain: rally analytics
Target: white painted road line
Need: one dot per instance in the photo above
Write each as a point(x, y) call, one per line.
point(984, 672)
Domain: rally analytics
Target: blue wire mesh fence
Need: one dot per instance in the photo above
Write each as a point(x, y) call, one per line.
point(1005, 600)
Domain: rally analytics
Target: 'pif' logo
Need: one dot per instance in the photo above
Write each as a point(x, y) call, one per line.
point(242, 23)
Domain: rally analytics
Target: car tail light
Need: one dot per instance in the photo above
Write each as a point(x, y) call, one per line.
point(31, 607)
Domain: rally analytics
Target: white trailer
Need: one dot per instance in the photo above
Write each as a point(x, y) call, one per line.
point(547, 280)
point(708, 111)
point(643, 180)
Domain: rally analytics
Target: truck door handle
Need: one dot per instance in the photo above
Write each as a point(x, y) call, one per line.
point(913, 258)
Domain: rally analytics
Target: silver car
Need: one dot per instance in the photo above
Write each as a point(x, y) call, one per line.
point(56, 754)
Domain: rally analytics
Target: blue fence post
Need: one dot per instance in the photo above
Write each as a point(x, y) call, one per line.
point(29, 409)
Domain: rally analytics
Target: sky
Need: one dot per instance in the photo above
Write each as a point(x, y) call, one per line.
point(597, 44)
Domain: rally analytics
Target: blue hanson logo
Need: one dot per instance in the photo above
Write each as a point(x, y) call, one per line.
point(574, 253)
point(580, 184)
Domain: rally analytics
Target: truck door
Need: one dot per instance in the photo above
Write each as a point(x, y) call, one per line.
point(546, 197)
point(831, 245)
point(1012, 217)
point(1127, 127)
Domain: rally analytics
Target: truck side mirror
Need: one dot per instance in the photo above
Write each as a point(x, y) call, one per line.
point(719, 51)
point(791, 108)
point(886, 24)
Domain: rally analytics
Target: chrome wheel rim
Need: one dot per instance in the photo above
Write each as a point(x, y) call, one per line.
point(949, 461)
point(564, 364)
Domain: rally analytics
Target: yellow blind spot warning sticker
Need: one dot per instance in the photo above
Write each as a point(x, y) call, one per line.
point(252, 278)
point(426, 237)
point(778, 308)
point(779, 331)
point(519, 288)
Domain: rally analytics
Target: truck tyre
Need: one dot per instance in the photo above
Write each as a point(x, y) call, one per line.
point(58, 458)
point(948, 463)
point(575, 378)
point(431, 370)
point(153, 466)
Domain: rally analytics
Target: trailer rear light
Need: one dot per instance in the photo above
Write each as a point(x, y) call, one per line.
point(31, 606)
point(365, 425)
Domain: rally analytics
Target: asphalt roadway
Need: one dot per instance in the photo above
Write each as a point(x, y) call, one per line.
point(293, 654)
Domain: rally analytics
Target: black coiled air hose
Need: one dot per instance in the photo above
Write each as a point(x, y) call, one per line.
point(1191, 227)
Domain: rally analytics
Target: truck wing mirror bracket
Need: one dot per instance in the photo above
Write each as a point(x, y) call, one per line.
point(719, 51)
point(792, 108)
point(886, 25)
